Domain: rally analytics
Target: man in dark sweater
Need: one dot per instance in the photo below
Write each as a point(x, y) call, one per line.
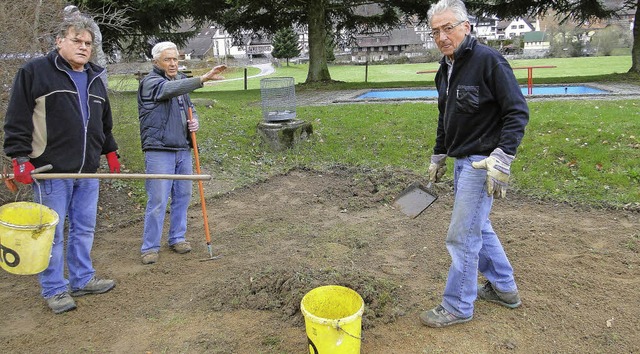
point(481, 122)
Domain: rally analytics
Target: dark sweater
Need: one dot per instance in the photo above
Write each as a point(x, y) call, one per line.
point(484, 108)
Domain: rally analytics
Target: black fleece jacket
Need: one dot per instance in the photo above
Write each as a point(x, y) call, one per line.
point(481, 106)
point(44, 119)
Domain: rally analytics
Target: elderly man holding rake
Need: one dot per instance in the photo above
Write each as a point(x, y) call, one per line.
point(165, 108)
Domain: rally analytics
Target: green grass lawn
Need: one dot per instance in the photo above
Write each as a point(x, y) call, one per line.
point(581, 151)
point(399, 75)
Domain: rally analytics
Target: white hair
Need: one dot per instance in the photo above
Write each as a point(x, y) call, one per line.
point(456, 6)
point(161, 47)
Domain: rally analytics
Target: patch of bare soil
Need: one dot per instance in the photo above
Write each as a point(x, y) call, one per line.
point(578, 271)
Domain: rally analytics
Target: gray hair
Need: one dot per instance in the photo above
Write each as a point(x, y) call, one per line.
point(161, 47)
point(456, 6)
point(79, 24)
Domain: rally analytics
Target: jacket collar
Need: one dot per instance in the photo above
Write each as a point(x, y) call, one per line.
point(62, 64)
point(465, 47)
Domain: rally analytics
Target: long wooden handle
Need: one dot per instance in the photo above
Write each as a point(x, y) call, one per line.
point(197, 177)
point(205, 218)
point(37, 175)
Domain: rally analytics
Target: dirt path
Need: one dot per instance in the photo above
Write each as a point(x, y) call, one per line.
point(578, 272)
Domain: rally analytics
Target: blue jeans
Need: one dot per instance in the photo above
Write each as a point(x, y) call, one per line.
point(471, 241)
point(76, 199)
point(158, 193)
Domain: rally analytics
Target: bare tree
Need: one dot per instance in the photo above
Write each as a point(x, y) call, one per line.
point(27, 30)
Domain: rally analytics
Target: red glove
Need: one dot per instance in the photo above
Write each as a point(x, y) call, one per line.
point(112, 160)
point(22, 168)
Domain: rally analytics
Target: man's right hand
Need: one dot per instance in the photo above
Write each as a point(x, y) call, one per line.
point(438, 167)
point(22, 169)
point(213, 74)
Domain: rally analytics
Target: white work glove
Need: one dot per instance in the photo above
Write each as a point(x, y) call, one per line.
point(498, 166)
point(438, 167)
point(193, 125)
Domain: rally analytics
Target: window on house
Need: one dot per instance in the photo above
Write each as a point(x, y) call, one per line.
point(514, 26)
point(521, 26)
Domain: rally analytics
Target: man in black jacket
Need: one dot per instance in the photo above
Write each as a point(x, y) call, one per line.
point(59, 114)
point(483, 114)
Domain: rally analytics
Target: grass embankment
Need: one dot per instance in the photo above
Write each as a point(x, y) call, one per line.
point(583, 152)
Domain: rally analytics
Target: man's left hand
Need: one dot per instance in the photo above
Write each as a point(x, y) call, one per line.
point(214, 74)
point(498, 166)
point(193, 125)
point(112, 160)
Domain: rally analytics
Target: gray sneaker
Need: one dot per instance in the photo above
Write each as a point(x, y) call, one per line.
point(61, 303)
point(149, 257)
point(95, 286)
point(488, 293)
point(440, 317)
point(181, 247)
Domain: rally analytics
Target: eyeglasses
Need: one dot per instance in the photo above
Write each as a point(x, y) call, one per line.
point(447, 29)
point(78, 43)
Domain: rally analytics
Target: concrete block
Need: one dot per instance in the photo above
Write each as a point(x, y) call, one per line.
point(283, 135)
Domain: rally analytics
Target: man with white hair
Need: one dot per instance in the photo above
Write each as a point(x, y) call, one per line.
point(163, 106)
point(481, 122)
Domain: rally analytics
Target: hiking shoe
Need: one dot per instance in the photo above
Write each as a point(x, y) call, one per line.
point(181, 247)
point(439, 317)
point(149, 257)
point(95, 286)
point(61, 303)
point(489, 293)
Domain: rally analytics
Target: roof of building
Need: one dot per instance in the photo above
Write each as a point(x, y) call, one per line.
point(536, 36)
point(401, 36)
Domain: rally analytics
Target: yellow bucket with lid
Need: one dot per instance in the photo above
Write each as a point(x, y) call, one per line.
point(333, 319)
point(26, 237)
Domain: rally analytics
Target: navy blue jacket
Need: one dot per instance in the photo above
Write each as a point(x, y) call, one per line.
point(163, 123)
point(44, 120)
point(484, 107)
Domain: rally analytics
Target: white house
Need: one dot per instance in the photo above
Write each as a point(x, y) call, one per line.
point(486, 28)
point(536, 44)
point(518, 27)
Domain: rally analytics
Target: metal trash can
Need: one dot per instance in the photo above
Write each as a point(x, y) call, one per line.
point(278, 99)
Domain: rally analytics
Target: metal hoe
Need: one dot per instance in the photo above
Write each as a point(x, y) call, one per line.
point(201, 189)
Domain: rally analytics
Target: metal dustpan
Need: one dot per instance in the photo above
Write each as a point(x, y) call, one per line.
point(414, 199)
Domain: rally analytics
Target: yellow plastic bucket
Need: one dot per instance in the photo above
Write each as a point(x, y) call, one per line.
point(26, 237)
point(333, 319)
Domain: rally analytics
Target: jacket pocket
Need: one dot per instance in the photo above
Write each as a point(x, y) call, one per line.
point(467, 99)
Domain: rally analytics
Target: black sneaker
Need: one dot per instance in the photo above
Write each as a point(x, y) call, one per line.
point(95, 286)
point(61, 303)
point(488, 293)
point(440, 317)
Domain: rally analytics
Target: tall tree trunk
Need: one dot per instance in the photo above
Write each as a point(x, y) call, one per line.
point(635, 50)
point(318, 69)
